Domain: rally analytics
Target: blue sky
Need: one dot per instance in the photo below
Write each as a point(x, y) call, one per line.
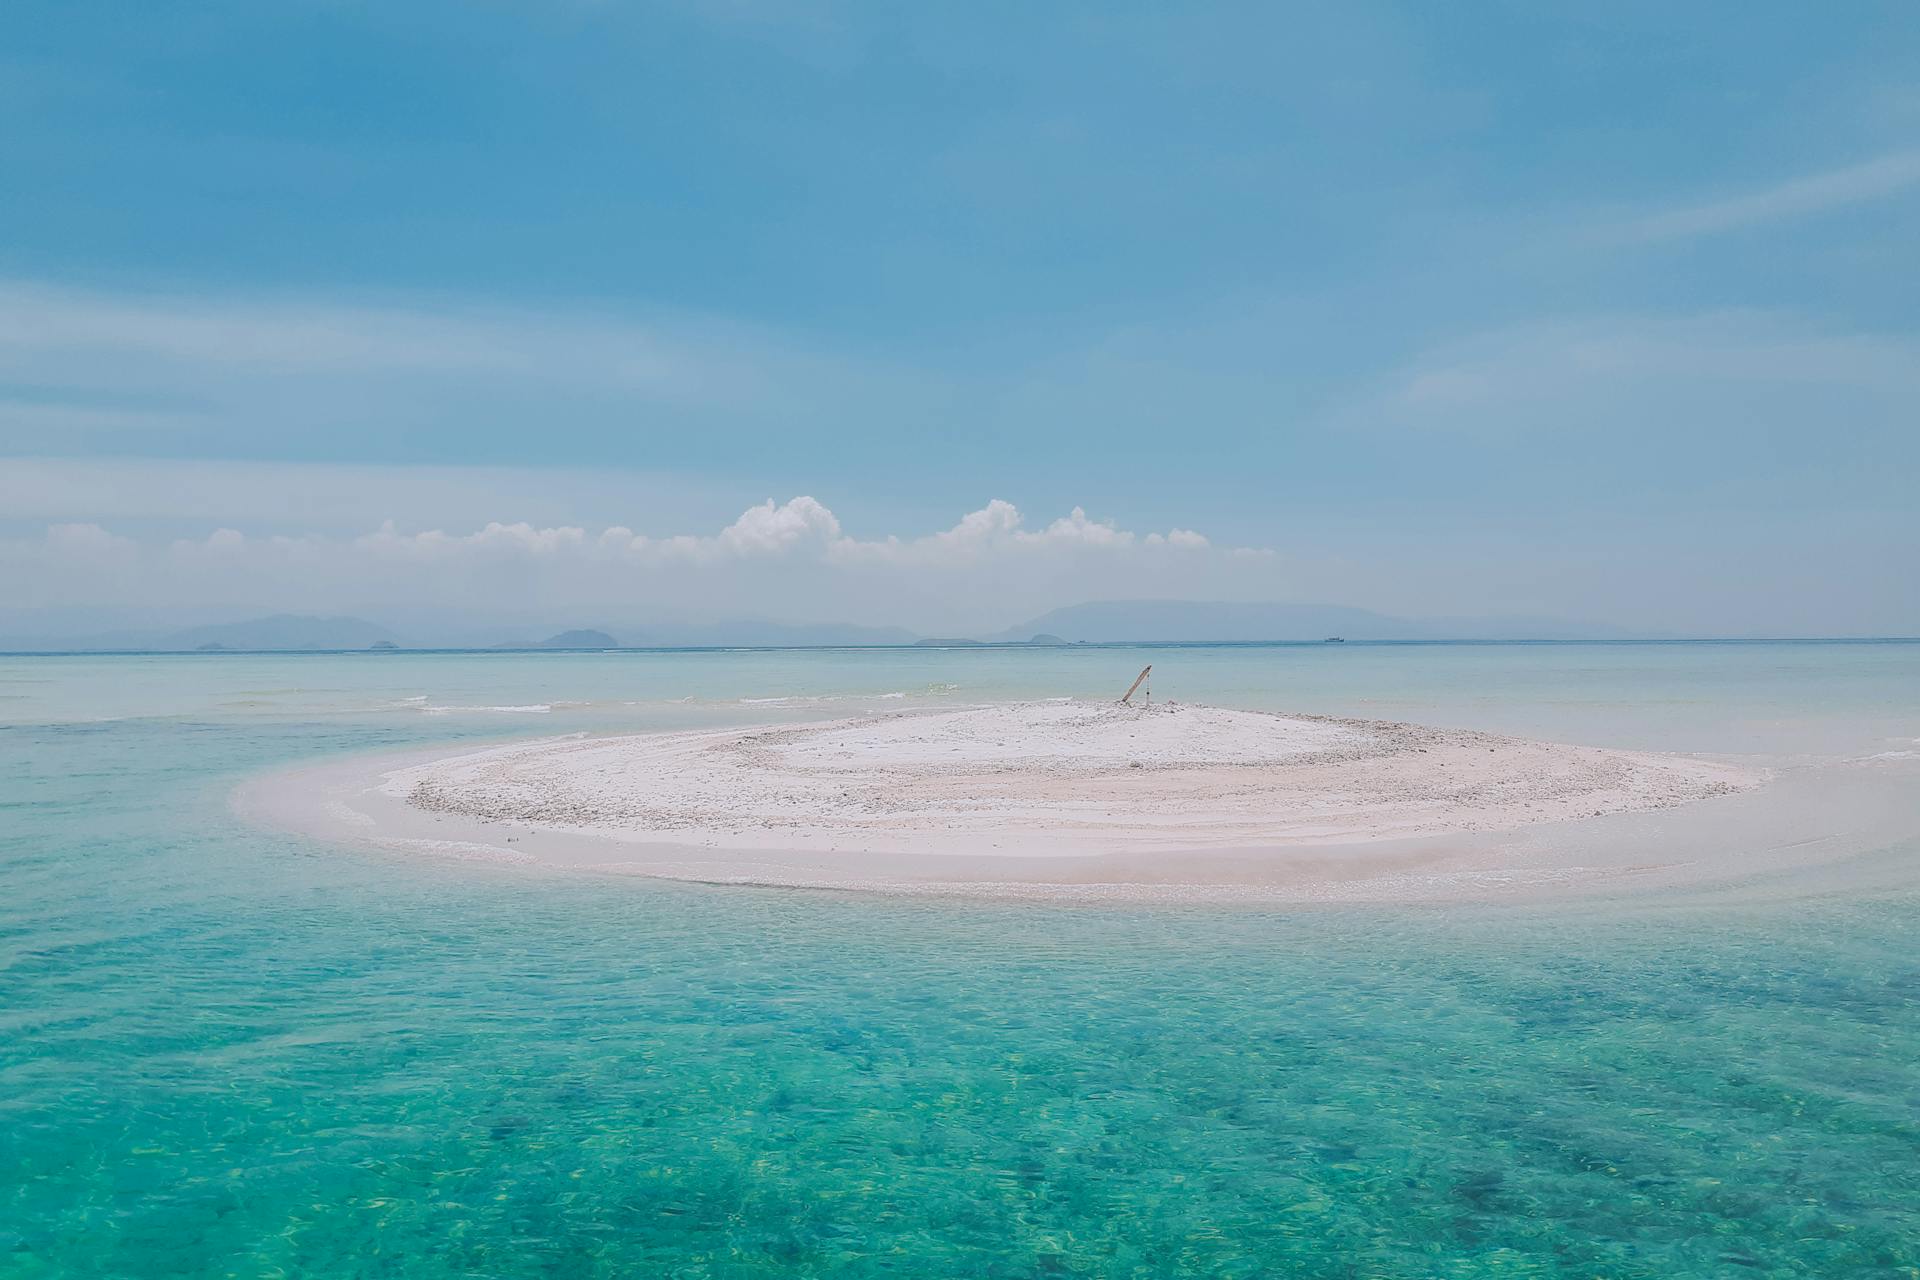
point(1602, 312)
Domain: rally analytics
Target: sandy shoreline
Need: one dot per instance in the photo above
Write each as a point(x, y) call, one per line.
point(1060, 799)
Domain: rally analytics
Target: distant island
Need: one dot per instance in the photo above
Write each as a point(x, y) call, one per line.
point(580, 639)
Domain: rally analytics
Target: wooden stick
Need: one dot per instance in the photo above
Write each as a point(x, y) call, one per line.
point(1137, 682)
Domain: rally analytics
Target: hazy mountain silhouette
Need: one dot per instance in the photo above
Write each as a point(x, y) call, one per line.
point(578, 639)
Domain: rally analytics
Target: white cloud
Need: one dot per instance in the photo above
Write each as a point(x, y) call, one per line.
point(767, 528)
point(801, 526)
point(1075, 527)
point(791, 559)
point(993, 523)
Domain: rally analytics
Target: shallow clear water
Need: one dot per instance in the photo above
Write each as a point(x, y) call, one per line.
point(231, 1052)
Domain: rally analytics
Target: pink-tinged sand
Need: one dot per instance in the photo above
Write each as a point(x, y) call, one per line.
point(1058, 798)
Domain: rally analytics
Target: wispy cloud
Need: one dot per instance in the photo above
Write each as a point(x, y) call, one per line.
point(227, 372)
point(1808, 194)
point(341, 499)
point(1730, 375)
point(292, 335)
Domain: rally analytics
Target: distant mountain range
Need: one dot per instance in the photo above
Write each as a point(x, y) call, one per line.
point(566, 640)
point(1104, 621)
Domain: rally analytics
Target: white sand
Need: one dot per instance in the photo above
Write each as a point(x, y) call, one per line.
point(1058, 797)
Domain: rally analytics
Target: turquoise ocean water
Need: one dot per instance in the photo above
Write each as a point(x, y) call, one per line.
point(230, 1052)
